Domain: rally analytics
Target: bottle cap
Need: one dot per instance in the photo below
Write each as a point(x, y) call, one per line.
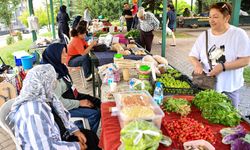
point(118, 55)
point(144, 68)
point(158, 84)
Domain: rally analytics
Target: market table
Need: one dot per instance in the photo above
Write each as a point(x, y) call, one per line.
point(110, 134)
point(102, 58)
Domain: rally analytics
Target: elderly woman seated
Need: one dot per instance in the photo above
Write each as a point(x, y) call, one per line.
point(39, 119)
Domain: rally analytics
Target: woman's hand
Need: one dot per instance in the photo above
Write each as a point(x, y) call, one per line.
point(81, 137)
point(82, 146)
point(86, 103)
point(93, 43)
point(216, 70)
point(198, 69)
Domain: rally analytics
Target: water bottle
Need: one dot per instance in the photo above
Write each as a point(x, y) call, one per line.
point(158, 93)
point(110, 76)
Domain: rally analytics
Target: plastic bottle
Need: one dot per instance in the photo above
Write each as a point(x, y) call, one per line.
point(158, 93)
point(110, 76)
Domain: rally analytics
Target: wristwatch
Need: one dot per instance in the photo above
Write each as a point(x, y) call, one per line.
point(223, 66)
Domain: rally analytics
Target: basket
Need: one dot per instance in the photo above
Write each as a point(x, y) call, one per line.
point(182, 91)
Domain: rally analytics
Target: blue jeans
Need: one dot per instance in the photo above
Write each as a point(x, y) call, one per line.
point(83, 61)
point(234, 96)
point(93, 116)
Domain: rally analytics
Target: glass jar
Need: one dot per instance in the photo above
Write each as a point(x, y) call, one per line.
point(144, 72)
point(118, 57)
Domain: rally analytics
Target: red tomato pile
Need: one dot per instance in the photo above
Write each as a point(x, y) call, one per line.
point(187, 129)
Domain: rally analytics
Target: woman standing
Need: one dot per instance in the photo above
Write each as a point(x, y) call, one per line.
point(228, 50)
point(62, 20)
point(171, 17)
point(78, 104)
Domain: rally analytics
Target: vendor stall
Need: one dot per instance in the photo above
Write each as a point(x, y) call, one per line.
point(185, 120)
point(189, 21)
point(110, 135)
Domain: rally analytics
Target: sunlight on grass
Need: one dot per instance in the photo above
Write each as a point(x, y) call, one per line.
point(6, 52)
point(247, 75)
point(47, 34)
point(177, 35)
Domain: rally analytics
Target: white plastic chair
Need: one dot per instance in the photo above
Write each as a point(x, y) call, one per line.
point(84, 81)
point(84, 121)
point(4, 111)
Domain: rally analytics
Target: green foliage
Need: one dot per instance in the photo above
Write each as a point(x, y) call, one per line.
point(217, 108)
point(24, 17)
point(180, 106)
point(207, 3)
point(108, 8)
point(133, 33)
point(7, 8)
point(7, 51)
point(182, 5)
point(10, 40)
point(19, 36)
point(247, 75)
point(40, 13)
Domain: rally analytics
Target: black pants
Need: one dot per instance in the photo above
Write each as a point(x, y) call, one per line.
point(63, 29)
point(92, 139)
point(129, 24)
point(146, 39)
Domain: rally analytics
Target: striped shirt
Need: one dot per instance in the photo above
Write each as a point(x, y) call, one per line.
point(149, 23)
point(35, 128)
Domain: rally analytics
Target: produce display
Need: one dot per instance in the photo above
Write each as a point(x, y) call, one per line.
point(137, 84)
point(217, 108)
point(135, 100)
point(237, 137)
point(133, 33)
point(175, 86)
point(174, 73)
point(139, 135)
point(170, 81)
point(134, 112)
point(180, 106)
point(187, 129)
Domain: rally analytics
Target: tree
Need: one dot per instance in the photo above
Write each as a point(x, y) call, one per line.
point(40, 13)
point(8, 7)
point(108, 8)
point(204, 5)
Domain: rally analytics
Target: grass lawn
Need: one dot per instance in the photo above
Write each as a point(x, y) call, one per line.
point(177, 34)
point(6, 52)
point(247, 75)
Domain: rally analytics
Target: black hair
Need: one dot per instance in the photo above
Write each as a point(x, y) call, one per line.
point(171, 6)
point(78, 30)
point(83, 23)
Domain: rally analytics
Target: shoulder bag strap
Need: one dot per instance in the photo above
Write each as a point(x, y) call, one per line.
point(209, 61)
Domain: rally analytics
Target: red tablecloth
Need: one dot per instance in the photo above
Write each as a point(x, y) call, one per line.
point(110, 134)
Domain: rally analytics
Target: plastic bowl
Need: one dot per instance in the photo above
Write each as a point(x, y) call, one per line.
point(197, 143)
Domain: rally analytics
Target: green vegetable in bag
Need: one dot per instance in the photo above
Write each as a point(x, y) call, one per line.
point(140, 135)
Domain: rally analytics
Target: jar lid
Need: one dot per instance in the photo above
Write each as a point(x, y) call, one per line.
point(118, 55)
point(144, 68)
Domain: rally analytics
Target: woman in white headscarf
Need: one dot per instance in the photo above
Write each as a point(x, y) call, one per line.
point(39, 120)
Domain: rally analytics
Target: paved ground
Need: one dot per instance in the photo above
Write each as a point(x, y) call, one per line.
point(177, 57)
